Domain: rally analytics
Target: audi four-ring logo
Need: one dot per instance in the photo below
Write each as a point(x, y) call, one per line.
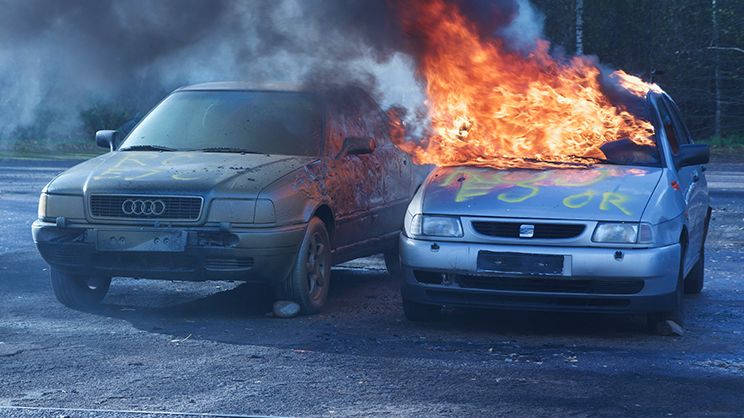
point(143, 207)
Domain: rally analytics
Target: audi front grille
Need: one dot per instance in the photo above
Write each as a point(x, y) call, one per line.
point(174, 208)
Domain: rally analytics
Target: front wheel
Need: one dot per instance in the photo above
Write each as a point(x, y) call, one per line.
point(78, 291)
point(696, 278)
point(392, 262)
point(653, 319)
point(308, 283)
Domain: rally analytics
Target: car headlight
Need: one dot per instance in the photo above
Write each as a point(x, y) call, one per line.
point(242, 211)
point(232, 210)
point(42, 211)
point(435, 226)
point(52, 206)
point(265, 212)
point(623, 233)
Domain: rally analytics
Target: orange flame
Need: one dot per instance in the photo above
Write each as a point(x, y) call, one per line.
point(494, 107)
point(634, 84)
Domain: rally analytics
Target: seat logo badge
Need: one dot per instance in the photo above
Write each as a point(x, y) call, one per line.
point(143, 207)
point(526, 231)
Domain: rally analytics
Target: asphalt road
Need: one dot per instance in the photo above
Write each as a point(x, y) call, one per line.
point(211, 348)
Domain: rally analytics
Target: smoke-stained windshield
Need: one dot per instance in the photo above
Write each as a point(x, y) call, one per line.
point(266, 122)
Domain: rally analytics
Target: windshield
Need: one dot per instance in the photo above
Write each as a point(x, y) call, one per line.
point(626, 152)
point(266, 122)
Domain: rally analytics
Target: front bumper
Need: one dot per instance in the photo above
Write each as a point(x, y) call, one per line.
point(262, 255)
point(594, 279)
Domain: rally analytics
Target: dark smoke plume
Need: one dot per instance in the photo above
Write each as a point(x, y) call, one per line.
point(58, 58)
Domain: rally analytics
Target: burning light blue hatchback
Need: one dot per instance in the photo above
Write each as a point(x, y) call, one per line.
point(625, 235)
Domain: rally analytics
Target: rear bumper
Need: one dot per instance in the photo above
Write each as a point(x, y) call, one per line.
point(263, 255)
point(643, 280)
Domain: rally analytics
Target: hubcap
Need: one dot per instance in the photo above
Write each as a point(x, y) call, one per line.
point(316, 266)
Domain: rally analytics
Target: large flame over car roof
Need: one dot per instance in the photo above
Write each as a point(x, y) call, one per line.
point(491, 106)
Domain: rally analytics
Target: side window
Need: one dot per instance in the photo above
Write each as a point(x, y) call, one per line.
point(377, 125)
point(684, 137)
point(344, 120)
point(672, 132)
point(353, 113)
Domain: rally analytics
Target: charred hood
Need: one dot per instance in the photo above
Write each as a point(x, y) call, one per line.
point(195, 173)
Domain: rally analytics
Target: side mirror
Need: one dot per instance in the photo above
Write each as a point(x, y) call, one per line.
point(692, 154)
point(355, 145)
point(108, 139)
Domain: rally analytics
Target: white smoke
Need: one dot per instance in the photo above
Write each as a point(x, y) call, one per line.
point(525, 29)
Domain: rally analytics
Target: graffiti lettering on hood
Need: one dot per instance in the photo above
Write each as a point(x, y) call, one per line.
point(138, 166)
point(521, 185)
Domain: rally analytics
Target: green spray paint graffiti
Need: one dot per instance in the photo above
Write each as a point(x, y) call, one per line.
point(141, 166)
point(520, 185)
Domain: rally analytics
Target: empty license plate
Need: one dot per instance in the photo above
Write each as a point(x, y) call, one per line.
point(162, 241)
point(521, 263)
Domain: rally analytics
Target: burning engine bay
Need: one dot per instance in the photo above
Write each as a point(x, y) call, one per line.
point(490, 105)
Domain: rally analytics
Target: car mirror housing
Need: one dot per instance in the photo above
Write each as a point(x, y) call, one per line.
point(356, 145)
point(108, 139)
point(693, 154)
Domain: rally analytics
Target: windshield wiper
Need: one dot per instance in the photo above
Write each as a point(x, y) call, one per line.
point(228, 149)
point(147, 148)
point(597, 159)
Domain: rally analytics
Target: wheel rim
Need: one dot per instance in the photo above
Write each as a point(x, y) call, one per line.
point(316, 266)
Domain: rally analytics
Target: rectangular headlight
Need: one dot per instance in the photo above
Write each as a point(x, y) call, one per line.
point(436, 226)
point(616, 233)
point(42, 205)
point(232, 210)
point(53, 206)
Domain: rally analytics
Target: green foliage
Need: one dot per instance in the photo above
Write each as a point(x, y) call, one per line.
point(731, 141)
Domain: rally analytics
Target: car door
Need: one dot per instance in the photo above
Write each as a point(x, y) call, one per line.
point(691, 179)
point(397, 173)
point(354, 182)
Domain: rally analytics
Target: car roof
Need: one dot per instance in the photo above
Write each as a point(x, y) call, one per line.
point(243, 85)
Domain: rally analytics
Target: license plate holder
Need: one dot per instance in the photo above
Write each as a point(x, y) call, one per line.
point(141, 241)
point(523, 264)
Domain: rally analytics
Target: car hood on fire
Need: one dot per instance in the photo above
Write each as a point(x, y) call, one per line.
point(602, 192)
point(194, 173)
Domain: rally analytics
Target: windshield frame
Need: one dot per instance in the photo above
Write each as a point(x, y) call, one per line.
point(655, 120)
point(661, 144)
point(321, 107)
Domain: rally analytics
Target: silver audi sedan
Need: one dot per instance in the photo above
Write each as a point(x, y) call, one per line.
point(623, 235)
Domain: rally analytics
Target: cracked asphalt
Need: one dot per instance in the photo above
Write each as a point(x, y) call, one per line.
point(210, 348)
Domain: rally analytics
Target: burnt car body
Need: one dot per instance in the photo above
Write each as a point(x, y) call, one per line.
point(227, 182)
point(622, 236)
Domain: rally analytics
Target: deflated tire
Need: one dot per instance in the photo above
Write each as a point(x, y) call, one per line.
point(78, 291)
point(308, 283)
